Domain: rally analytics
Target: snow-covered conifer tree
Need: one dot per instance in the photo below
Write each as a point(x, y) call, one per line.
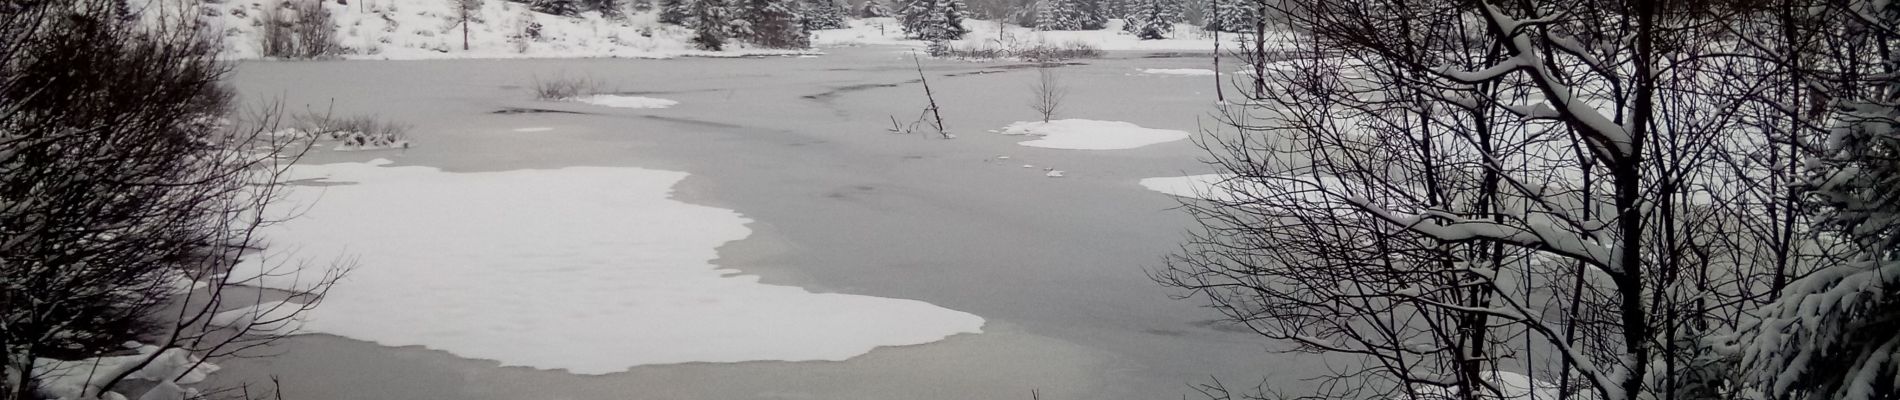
point(1153, 19)
point(675, 12)
point(822, 14)
point(1231, 15)
point(773, 24)
point(873, 9)
point(556, 7)
point(934, 19)
point(711, 20)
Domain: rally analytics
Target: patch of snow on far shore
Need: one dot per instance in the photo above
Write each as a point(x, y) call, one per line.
point(588, 269)
point(1179, 71)
point(1082, 134)
point(608, 100)
point(534, 129)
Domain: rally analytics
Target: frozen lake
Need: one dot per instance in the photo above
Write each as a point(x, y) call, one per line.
point(1056, 267)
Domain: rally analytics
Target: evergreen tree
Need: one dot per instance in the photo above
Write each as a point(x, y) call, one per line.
point(823, 14)
point(912, 16)
point(873, 9)
point(1232, 15)
point(711, 19)
point(556, 7)
point(1153, 19)
point(1092, 15)
point(607, 8)
point(675, 12)
point(1070, 15)
point(774, 24)
point(934, 19)
point(950, 19)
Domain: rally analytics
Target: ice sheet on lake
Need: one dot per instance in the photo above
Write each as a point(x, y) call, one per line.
point(593, 270)
point(1082, 134)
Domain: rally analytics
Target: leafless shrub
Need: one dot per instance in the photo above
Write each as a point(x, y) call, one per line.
point(1048, 90)
point(565, 87)
point(355, 132)
point(1036, 52)
point(135, 197)
point(303, 29)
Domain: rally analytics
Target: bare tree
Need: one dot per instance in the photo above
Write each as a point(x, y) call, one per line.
point(1048, 90)
point(126, 198)
point(1577, 192)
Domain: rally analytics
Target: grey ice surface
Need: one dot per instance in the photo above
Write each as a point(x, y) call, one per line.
point(799, 145)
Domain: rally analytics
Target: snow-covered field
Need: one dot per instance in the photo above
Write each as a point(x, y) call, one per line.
point(589, 270)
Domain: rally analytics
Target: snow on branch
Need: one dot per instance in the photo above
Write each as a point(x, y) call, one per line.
point(1450, 228)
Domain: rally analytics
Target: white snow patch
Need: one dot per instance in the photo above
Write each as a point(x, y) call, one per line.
point(83, 379)
point(1227, 188)
point(534, 129)
point(1179, 71)
point(1053, 174)
point(608, 100)
point(1082, 134)
point(588, 269)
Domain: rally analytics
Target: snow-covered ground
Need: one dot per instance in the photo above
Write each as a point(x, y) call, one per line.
point(411, 30)
point(590, 270)
point(990, 34)
point(1082, 134)
point(84, 379)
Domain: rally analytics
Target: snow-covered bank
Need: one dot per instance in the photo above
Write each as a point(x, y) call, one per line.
point(412, 30)
point(592, 270)
point(888, 31)
point(1082, 134)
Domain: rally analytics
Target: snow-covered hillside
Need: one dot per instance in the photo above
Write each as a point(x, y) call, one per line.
point(409, 30)
point(412, 30)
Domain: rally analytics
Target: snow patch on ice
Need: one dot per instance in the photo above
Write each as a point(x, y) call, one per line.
point(534, 129)
point(1228, 188)
point(588, 269)
point(1082, 134)
point(1179, 71)
point(608, 100)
